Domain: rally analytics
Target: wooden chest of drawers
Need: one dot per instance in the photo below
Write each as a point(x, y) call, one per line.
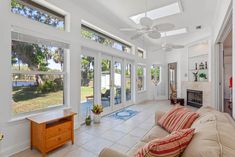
point(49, 131)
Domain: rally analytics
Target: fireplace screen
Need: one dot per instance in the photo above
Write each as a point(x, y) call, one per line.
point(194, 98)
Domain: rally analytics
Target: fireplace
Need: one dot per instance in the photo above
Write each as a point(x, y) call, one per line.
point(194, 98)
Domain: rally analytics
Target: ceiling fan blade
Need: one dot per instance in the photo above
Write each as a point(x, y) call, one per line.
point(128, 29)
point(136, 36)
point(154, 34)
point(164, 27)
point(177, 46)
point(146, 21)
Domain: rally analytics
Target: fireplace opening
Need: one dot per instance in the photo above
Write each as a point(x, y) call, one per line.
point(194, 98)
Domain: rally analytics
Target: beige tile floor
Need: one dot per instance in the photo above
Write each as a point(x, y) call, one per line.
point(116, 134)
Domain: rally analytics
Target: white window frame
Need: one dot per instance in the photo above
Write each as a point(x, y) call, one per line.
point(23, 115)
point(141, 50)
point(56, 9)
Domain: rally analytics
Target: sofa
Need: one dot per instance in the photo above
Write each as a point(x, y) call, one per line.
point(214, 136)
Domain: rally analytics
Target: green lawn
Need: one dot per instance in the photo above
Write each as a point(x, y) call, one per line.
point(26, 99)
point(86, 91)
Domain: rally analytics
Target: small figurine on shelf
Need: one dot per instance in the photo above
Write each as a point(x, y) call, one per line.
point(206, 65)
point(195, 66)
point(195, 76)
point(1, 136)
point(201, 66)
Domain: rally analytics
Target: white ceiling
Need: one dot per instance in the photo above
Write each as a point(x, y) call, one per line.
point(195, 12)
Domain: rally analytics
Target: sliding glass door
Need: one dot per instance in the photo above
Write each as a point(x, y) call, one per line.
point(106, 82)
point(128, 82)
point(117, 82)
point(87, 84)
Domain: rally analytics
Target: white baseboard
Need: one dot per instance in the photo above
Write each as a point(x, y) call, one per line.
point(14, 149)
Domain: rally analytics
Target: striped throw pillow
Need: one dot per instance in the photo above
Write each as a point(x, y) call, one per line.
point(171, 146)
point(178, 118)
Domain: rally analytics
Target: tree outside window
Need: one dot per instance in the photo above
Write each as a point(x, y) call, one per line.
point(38, 76)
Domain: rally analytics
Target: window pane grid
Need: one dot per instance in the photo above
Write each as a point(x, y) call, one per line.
point(38, 76)
point(38, 13)
point(89, 33)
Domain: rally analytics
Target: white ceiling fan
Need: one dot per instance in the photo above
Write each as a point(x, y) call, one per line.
point(153, 31)
point(168, 46)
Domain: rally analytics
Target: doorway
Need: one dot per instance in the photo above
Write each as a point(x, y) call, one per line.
point(223, 78)
point(105, 80)
point(227, 74)
point(172, 80)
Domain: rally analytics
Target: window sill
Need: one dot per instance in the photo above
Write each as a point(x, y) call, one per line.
point(24, 116)
point(142, 91)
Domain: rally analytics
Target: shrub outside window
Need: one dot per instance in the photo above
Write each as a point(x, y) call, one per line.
point(91, 34)
point(38, 75)
point(141, 73)
point(38, 13)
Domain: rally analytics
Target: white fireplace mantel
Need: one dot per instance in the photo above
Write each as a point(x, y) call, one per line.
point(205, 87)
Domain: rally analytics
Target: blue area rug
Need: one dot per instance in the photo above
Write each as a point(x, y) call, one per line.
point(124, 114)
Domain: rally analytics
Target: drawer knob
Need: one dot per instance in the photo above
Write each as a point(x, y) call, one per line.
point(59, 129)
point(59, 139)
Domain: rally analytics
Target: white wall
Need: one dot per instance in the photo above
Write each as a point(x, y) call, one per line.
point(17, 132)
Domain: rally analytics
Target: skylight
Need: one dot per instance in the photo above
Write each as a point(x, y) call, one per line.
point(174, 32)
point(172, 9)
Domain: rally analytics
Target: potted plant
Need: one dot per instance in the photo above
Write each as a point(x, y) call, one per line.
point(97, 110)
point(202, 76)
point(88, 120)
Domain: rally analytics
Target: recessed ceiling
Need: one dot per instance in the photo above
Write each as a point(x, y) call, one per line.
point(195, 12)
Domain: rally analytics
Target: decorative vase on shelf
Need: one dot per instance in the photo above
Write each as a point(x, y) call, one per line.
point(201, 66)
point(195, 76)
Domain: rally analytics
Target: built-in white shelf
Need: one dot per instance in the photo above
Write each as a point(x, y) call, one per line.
point(198, 54)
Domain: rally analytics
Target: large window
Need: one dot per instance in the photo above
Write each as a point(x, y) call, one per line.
point(155, 74)
point(141, 74)
point(89, 33)
point(38, 73)
point(36, 12)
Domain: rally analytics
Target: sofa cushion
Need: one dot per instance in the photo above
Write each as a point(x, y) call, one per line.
point(155, 132)
point(166, 118)
point(178, 118)
point(214, 135)
point(171, 146)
